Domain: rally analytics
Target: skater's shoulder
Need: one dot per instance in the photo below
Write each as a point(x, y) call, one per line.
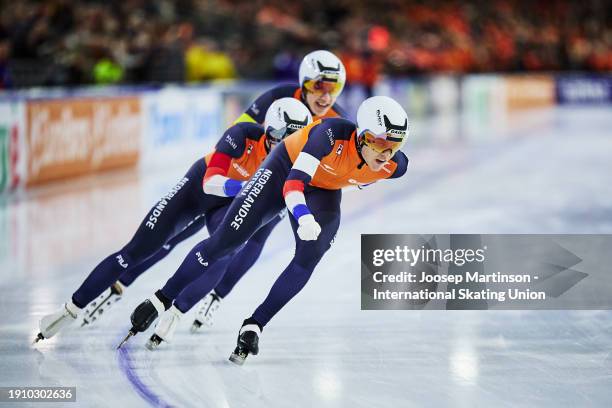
point(252, 131)
point(336, 128)
point(401, 162)
point(286, 90)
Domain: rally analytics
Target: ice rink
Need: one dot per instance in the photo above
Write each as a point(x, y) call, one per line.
point(542, 172)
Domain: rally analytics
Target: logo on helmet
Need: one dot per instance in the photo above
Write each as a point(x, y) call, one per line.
point(378, 117)
point(392, 129)
point(330, 74)
point(293, 125)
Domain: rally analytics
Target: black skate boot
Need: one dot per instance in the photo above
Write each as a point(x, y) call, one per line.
point(248, 341)
point(145, 314)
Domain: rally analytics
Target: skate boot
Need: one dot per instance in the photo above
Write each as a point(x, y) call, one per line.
point(248, 341)
point(95, 309)
point(205, 314)
point(51, 324)
point(145, 314)
point(164, 331)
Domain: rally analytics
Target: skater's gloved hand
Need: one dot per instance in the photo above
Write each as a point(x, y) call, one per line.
point(309, 228)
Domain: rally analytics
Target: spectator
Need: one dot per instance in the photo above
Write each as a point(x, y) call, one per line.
point(64, 42)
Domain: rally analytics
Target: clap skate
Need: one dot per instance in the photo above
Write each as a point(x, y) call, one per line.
point(143, 316)
point(95, 309)
point(205, 314)
point(51, 324)
point(248, 342)
point(165, 328)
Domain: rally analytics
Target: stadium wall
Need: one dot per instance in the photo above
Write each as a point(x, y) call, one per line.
point(55, 134)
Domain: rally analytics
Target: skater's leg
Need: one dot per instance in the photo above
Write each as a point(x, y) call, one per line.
point(236, 266)
point(195, 291)
point(170, 215)
point(189, 296)
point(237, 263)
point(241, 262)
point(257, 204)
point(109, 297)
point(325, 205)
point(130, 275)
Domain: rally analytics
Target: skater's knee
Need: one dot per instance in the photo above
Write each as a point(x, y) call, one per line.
point(308, 256)
point(125, 258)
point(218, 248)
point(252, 247)
point(134, 253)
point(302, 272)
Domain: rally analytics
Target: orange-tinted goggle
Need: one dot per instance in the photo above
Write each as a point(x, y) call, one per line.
point(382, 142)
point(321, 85)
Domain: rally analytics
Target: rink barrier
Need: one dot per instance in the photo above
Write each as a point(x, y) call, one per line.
point(55, 134)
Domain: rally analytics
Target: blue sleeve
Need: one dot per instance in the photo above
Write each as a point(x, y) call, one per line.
point(233, 141)
point(258, 109)
point(402, 165)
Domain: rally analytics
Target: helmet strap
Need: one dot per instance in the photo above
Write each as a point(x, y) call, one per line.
point(267, 143)
point(359, 145)
point(305, 101)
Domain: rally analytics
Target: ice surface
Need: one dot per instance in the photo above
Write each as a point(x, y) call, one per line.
point(550, 173)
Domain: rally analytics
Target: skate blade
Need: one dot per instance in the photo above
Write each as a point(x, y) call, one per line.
point(130, 334)
point(238, 359)
point(152, 345)
point(195, 327)
point(38, 338)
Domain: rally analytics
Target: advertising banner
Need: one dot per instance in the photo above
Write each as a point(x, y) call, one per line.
point(529, 91)
point(180, 124)
point(584, 89)
point(66, 138)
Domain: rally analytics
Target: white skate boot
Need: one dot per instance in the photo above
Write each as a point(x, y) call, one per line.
point(109, 297)
point(164, 331)
point(206, 312)
point(51, 324)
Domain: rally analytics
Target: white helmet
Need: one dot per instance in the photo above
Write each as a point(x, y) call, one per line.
point(285, 116)
point(382, 124)
point(325, 66)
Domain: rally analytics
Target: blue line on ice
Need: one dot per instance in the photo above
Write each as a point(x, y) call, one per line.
point(127, 366)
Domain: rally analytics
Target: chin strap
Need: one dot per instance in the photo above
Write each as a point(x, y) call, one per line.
point(304, 101)
point(359, 145)
point(267, 143)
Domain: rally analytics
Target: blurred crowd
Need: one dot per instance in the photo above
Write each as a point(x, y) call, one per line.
point(74, 42)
